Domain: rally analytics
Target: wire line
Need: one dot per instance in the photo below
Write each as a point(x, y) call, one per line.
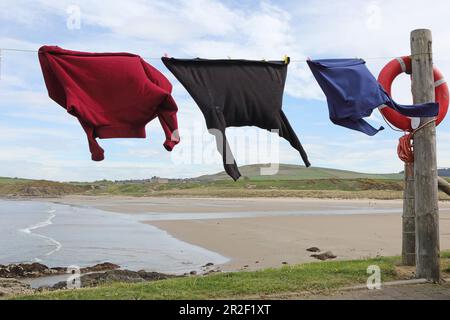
point(292, 60)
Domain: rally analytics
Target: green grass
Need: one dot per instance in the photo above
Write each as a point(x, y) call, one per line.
point(445, 261)
point(306, 184)
point(304, 279)
point(321, 189)
point(312, 277)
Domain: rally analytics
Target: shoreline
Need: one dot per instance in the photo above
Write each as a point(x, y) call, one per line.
point(270, 231)
point(259, 242)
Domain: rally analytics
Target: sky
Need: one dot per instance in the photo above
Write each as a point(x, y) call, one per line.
point(40, 140)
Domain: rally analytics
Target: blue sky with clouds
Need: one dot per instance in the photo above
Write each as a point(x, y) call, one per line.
point(38, 139)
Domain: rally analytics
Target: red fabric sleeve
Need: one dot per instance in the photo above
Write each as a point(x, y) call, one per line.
point(167, 115)
point(97, 152)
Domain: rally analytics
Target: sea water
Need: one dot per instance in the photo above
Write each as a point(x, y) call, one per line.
point(62, 235)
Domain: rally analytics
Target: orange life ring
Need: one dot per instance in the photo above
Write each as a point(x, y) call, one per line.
point(386, 78)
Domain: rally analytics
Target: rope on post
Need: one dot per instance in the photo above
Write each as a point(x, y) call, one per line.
point(405, 147)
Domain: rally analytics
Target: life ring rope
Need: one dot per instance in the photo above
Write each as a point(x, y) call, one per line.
point(405, 144)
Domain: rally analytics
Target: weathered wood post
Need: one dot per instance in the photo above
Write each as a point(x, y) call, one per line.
point(409, 223)
point(425, 167)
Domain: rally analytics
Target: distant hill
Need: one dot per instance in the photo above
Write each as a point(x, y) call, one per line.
point(295, 172)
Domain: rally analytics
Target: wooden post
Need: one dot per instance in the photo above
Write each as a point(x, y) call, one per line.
point(425, 167)
point(409, 223)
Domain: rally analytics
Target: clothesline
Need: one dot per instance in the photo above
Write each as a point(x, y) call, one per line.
point(159, 58)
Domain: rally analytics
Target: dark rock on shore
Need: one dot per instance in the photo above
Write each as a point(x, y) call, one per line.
point(106, 266)
point(209, 264)
point(36, 270)
point(94, 276)
point(127, 276)
point(324, 256)
point(23, 270)
point(59, 270)
point(313, 249)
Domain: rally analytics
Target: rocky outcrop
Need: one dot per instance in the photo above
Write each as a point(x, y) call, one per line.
point(11, 287)
point(42, 189)
point(324, 256)
point(106, 266)
point(37, 270)
point(22, 270)
point(209, 264)
point(126, 276)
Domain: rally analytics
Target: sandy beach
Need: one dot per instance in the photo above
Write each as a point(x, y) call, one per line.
point(275, 230)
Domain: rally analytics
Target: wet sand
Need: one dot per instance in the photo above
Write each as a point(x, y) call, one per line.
point(268, 241)
point(133, 205)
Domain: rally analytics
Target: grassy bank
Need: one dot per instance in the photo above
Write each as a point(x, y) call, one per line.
point(310, 278)
point(322, 189)
point(290, 181)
